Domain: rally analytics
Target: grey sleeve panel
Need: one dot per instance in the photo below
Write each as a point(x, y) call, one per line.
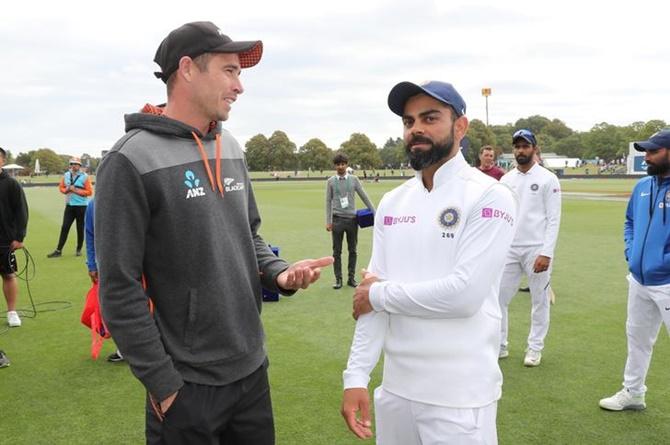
point(121, 219)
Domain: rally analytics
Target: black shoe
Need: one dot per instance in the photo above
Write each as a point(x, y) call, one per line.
point(78, 253)
point(115, 357)
point(338, 284)
point(4, 360)
point(352, 282)
point(524, 289)
point(55, 254)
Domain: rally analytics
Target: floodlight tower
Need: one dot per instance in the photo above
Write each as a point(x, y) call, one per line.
point(486, 92)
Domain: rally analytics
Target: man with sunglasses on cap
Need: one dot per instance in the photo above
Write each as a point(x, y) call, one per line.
point(76, 186)
point(13, 225)
point(647, 251)
point(429, 299)
point(533, 247)
point(175, 190)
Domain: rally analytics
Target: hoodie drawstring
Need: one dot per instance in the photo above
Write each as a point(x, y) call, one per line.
point(205, 161)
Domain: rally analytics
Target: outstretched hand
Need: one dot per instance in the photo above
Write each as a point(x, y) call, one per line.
point(303, 273)
point(356, 411)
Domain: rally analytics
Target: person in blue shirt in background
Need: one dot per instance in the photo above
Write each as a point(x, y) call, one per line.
point(90, 260)
point(647, 238)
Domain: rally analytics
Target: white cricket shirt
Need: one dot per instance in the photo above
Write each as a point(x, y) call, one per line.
point(539, 194)
point(440, 255)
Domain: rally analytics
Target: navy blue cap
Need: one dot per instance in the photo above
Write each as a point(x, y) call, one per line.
point(658, 140)
point(526, 135)
point(442, 91)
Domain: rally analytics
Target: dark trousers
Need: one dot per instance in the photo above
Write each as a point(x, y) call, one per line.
point(342, 226)
point(239, 413)
point(72, 213)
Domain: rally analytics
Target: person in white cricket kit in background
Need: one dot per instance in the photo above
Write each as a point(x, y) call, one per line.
point(533, 247)
point(429, 299)
point(647, 238)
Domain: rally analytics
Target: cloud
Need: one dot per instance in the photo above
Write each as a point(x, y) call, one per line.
point(71, 69)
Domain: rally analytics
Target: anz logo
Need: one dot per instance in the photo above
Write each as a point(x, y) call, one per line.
point(193, 184)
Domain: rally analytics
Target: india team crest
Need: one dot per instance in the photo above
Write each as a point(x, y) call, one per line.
point(449, 218)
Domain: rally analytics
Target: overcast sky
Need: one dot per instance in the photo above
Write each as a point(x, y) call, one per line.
point(70, 70)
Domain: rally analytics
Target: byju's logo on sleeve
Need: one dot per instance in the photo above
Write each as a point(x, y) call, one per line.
point(193, 184)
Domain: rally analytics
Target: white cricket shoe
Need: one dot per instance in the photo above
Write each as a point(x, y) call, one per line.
point(504, 352)
point(532, 358)
point(13, 319)
point(623, 400)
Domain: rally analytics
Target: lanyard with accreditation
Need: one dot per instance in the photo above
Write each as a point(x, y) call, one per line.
point(344, 200)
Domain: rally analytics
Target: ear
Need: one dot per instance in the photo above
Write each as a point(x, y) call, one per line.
point(460, 128)
point(185, 68)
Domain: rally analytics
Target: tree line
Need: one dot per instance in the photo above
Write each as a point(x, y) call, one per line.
point(279, 153)
point(602, 141)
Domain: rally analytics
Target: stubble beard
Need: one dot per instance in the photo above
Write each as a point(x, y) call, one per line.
point(661, 169)
point(419, 160)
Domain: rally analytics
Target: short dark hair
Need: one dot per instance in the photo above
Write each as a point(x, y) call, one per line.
point(202, 62)
point(487, 148)
point(340, 158)
point(3, 153)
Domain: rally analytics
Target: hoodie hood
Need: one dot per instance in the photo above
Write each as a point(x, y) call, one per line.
point(151, 118)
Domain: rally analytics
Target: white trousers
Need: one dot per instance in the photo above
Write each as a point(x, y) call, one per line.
point(399, 421)
point(648, 307)
point(520, 261)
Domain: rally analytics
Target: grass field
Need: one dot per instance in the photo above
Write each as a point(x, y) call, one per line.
point(53, 393)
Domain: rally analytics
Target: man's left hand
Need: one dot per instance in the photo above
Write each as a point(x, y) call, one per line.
point(303, 273)
point(541, 264)
point(362, 294)
point(15, 245)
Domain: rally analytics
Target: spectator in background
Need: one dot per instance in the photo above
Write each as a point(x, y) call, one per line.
point(487, 163)
point(13, 225)
point(91, 262)
point(76, 186)
point(341, 216)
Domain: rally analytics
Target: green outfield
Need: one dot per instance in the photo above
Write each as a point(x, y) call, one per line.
point(53, 393)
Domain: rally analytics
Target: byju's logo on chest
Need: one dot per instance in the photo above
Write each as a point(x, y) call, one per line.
point(193, 184)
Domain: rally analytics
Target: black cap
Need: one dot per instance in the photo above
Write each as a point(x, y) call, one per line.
point(196, 38)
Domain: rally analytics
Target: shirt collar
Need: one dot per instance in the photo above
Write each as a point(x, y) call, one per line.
point(530, 171)
point(447, 171)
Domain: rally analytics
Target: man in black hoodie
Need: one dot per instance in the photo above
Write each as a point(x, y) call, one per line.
point(13, 224)
point(175, 210)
